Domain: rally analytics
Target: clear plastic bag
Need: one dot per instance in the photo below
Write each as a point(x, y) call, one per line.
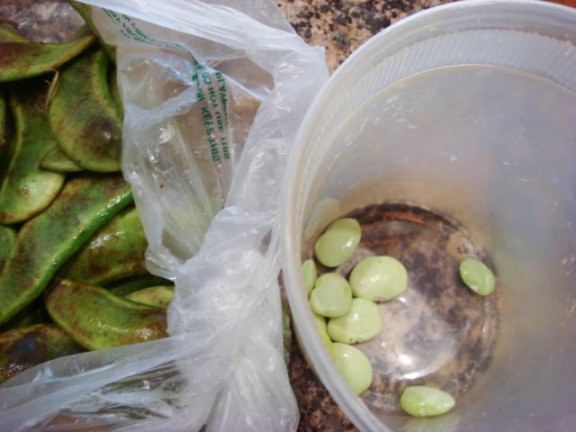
point(213, 93)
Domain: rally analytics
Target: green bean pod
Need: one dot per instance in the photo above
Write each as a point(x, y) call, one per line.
point(97, 319)
point(159, 296)
point(3, 122)
point(5, 132)
point(7, 240)
point(10, 34)
point(21, 58)
point(115, 90)
point(25, 347)
point(127, 286)
point(86, 13)
point(27, 190)
point(56, 160)
point(84, 117)
point(46, 242)
point(115, 252)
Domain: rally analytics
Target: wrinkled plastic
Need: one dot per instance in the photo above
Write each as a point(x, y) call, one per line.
point(180, 63)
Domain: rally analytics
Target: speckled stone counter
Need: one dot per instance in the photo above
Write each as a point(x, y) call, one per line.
point(343, 25)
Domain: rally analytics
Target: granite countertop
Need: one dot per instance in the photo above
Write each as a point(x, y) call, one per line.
point(343, 25)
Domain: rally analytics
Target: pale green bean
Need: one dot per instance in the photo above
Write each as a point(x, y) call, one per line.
point(477, 276)
point(338, 242)
point(354, 366)
point(361, 323)
point(327, 342)
point(320, 323)
point(309, 274)
point(379, 278)
point(331, 296)
point(423, 401)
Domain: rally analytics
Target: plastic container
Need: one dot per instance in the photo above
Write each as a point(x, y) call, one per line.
point(467, 110)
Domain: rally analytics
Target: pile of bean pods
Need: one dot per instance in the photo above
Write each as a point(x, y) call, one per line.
point(350, 306)
point(72, 274)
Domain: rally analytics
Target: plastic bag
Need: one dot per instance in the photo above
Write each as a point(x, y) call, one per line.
point(193, 74)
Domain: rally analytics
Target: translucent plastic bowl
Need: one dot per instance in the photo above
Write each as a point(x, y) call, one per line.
point(468, 110)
